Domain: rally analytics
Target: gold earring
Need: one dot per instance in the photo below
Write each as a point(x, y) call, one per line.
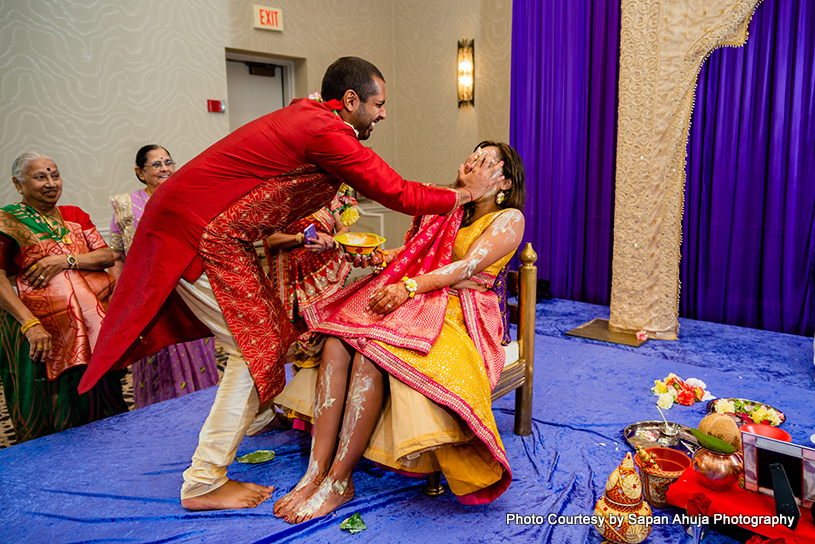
point(499, 198)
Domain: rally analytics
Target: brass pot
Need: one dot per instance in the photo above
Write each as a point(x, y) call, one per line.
point(717, 471)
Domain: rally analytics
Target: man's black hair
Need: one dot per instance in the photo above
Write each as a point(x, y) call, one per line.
point(350, 73)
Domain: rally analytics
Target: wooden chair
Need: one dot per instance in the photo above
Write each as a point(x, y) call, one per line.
point(517, 373)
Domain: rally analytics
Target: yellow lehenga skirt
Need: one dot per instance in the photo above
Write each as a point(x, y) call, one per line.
point(417, 435)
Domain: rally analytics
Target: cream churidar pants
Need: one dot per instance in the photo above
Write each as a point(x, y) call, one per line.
point(235, 410)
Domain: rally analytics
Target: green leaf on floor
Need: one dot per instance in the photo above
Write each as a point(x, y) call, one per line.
point(354, 524)
point(259, 456)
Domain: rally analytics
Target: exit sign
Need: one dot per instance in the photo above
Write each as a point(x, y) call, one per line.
point(268, 18)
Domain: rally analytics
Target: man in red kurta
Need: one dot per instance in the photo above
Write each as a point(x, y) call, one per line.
point(205, 218)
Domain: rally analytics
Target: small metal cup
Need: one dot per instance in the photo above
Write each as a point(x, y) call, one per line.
point(669, 434)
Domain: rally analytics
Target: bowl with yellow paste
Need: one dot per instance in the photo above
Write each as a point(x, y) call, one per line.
point(359, 243)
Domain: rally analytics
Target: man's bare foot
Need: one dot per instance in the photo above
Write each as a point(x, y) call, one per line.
point(305, 487)
point(230, 496)
point(329, 496)
point(278, 423)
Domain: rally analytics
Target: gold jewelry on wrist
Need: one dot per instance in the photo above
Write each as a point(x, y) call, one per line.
point(377, 268)
point(28, 324)
point(72, 262)
point(411, 286)
point(300, 238)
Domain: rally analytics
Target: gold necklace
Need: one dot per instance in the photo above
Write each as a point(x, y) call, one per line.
point(53, 228)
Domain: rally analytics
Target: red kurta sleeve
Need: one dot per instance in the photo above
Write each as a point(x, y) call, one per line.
point(339, 153)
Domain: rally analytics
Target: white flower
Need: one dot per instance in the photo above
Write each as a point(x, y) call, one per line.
point(665, 401)
point(774, 417)
point(316, 96)
point(694, 382)
point(724, 406)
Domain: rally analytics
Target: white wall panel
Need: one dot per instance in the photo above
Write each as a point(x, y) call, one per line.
point(90, 81)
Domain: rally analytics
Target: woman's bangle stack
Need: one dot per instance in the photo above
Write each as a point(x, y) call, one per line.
point(28, 324)
point(377, 268)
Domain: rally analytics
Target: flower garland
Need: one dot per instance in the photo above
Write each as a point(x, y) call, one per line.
point(348, 211)
point(335, 105)
point(675, 389)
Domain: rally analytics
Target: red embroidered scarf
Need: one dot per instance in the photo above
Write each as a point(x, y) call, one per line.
point(415, 324)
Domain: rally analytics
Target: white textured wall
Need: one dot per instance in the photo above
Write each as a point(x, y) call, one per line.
point(435, 136)
point(89, 81)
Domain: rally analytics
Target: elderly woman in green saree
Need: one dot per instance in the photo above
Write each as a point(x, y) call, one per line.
point(56, 259)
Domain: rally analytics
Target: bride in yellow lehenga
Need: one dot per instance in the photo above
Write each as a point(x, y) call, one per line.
point(421, 344)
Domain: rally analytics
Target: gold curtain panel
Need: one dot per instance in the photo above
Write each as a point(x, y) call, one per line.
point(663, 44)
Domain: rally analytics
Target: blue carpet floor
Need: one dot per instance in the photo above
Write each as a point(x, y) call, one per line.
point(746, 352)
point(118, 480)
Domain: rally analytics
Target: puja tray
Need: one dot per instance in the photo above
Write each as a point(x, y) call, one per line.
point(645, 434)
point(742, 418)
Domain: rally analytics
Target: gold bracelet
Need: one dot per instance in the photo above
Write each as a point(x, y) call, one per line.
point(300, 238)
point(28, 324)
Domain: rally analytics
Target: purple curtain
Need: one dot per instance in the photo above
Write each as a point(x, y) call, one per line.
point(563, 123)
point(748, 254)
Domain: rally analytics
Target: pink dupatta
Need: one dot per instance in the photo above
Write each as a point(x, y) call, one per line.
point(416, 324)
point(482, 315)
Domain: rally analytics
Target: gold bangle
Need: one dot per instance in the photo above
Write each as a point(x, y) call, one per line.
point(28, 324)
point(300, 238)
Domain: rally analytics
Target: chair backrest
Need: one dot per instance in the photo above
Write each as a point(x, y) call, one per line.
point(513, 290)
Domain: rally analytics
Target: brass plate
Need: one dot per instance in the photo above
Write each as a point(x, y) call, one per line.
point(744, 418)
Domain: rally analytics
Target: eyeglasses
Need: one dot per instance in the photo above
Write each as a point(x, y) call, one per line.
point(167, 162)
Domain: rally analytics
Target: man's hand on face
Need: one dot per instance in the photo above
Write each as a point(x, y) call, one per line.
point(479, 176)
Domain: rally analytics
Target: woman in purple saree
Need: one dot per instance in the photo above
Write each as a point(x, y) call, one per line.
point(180, 368)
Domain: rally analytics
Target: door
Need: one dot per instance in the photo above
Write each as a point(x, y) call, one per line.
point(255, 86)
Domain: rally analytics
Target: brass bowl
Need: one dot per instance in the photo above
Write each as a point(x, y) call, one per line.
point(362, 243)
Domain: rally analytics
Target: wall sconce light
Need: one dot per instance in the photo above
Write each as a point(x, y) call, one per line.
point(466, 73)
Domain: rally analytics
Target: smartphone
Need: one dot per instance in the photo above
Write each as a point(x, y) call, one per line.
point(310, 233)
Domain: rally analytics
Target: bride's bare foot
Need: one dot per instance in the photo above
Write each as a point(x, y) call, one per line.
point(278, 423)
point(230, 496)
point(305, 487)
point(329, 496)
